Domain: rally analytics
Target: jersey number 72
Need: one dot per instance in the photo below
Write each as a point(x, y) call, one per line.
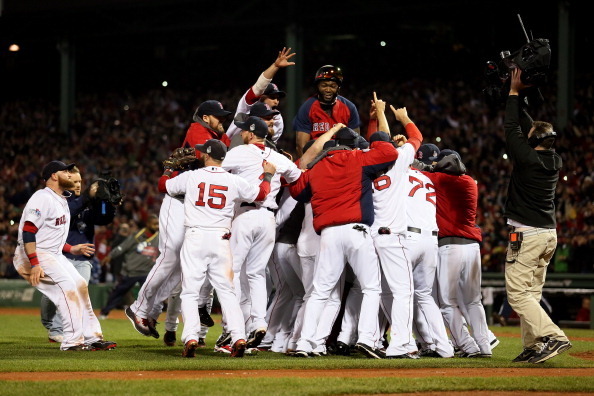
point(418, 184)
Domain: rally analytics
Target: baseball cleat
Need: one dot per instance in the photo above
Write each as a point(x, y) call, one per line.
point(55, 338)
point(301, 354)
point(205, 318)
point(140, 324)
point(224, 339)
point(78, 348)
point(201, 343)
point(190, 349)
point(403, 356)
point(342, 349)
point(256, 337)
point(102, 345)
point(368, 351)
point(470, 355)
point(494, 343)
point(238, 348)
point(170, 338)
point(152, 326)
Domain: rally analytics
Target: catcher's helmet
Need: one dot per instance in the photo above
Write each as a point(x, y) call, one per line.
point(329, 73)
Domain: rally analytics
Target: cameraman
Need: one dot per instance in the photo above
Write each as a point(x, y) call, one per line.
point(530, 211)
point(86, 211)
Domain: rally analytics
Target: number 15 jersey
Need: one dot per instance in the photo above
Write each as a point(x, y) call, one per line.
point(210, 195)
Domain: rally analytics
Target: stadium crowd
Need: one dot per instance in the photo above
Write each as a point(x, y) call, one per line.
point(131, 134)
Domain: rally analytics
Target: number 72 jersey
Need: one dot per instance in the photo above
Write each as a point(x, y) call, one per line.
point(210, 195)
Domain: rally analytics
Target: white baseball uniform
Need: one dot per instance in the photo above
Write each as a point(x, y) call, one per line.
point(62, 283)
point(388, 231)
point(254, 227)
point(244, 107)
point(421, 249)
point(210, 197)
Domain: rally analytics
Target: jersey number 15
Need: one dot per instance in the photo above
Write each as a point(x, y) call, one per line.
point(216, 198)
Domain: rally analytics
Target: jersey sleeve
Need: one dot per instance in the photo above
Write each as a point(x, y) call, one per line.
point(177, 185)
point(36, 210)
point(302, 122)
point(300, 189)
point(245, 191)
point(290, 172)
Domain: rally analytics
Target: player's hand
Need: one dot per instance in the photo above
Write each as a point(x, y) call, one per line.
point(399, 140)
point(380, 105)
point(181, 152)
point(85, 249)
point(372, 111)
point(268, 167)
point(401, 114)
point(336, 128)
point(282, 60)
point(35, 275)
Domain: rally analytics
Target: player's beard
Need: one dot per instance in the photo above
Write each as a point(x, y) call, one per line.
point(65, 184)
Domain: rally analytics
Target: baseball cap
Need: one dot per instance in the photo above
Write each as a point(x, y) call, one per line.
point(254, 125)
point(427, 153)
point(272, 89)
point(445, 153)
point(346, 136)
point(213, 147)
point(379, 136)
point(53, 167)
point(261, 109)
point(361, 143)
point(212, 107)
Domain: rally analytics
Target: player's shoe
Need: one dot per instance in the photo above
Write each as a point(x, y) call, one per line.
point(300, 354)
point(190, 349)
point(551, 349)
point(368, 351)
point(525, 356)
point(256, 337)
point(170, 338)
point(238, 348)
point(140, 324)
point(222, 348)
point(494, 343)
point(205, 318)
point(102, 345)
point(79, 348)
point(403, 356)
point(201, 343)
point(224, 339)
point(342, 349)
point(55, 338)
point(470, 355)
point(152, 326)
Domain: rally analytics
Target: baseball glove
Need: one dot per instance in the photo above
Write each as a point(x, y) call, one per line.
point(180, 163)
point(183, 152)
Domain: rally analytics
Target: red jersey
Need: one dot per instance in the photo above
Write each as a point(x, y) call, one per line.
point(199, 134)
point(312, 119)
point(457, 200)
point(340, 185)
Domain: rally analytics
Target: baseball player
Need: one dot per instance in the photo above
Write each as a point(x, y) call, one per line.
point(85, 213)
point(210, 197)
point(166, 273)
point(266, 92)
point(339, 188)
point(39, 259)
point(254, 226)
point(325, 109)
point(459, 265)
point(388, 232)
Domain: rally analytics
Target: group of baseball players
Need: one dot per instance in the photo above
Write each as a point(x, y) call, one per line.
point(376, 231)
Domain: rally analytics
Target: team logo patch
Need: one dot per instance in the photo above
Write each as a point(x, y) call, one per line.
point(35, 212)
point(252, 127)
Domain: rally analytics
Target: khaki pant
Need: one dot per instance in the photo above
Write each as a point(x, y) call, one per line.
point(525, 272)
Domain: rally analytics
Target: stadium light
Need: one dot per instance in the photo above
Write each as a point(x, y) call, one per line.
point(14, 48)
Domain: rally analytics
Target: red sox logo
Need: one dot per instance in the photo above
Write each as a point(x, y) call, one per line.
point(61, 220)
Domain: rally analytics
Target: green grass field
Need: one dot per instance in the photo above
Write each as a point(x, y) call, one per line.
point(24, 348)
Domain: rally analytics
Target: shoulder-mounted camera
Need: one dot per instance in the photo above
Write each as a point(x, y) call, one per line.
point(108, 189)
point(533, 58)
